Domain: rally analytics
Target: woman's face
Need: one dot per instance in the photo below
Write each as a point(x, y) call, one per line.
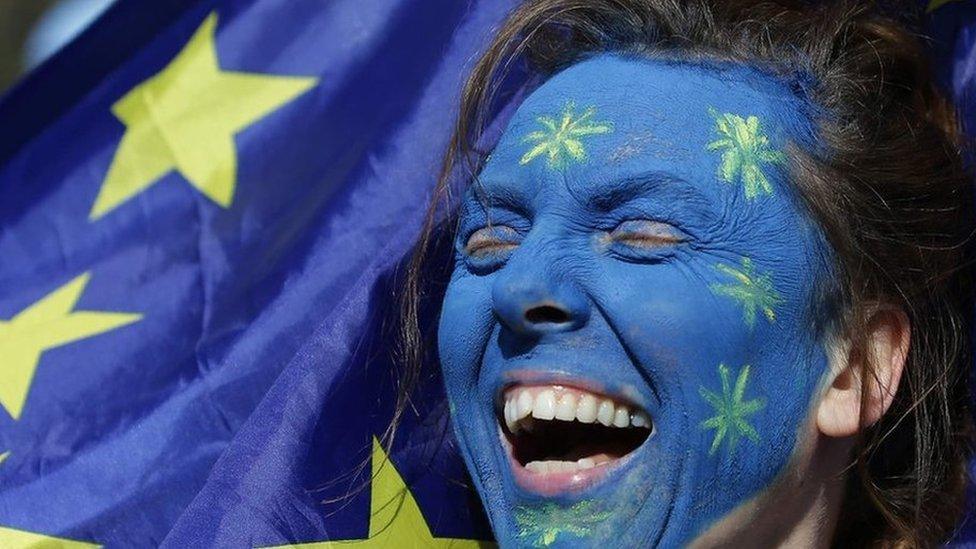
point(629, 340)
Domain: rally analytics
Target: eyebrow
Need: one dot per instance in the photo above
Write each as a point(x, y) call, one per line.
point(500, 195)
point(612, 194)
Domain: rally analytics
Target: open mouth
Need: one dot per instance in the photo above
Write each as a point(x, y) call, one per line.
point(562, 438)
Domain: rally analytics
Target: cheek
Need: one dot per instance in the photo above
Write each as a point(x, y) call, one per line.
point(670, 320)
point(680, 324)
point(698, 351)
point(465, 326)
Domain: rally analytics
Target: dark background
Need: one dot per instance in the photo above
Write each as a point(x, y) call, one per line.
point(28, 28)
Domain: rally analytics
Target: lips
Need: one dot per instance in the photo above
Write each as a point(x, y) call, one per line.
point(562, 439)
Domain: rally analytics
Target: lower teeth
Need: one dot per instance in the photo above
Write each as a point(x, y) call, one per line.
point(555, 466)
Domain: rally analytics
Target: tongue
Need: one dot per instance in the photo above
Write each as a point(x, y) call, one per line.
point(598, 453)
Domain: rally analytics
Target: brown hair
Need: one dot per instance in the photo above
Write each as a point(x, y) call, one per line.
point(888, 189)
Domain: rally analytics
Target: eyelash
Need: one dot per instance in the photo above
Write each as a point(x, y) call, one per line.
point(485, 247)
point(485, 242)
point(640, 240)
point(649, 234)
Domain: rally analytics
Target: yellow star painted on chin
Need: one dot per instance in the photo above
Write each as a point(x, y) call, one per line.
point(395, 519)
point(44, 325)
point(184, 118)
point(936, 4)
point(20, 539)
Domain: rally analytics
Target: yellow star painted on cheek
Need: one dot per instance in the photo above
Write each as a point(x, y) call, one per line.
point(395, 519)
point(10, 537)
point(185, 118)
point(44, 325)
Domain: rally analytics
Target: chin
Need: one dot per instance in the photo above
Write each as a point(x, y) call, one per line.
point(563, 461)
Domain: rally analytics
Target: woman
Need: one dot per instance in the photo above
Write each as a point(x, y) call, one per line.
point(711, 283)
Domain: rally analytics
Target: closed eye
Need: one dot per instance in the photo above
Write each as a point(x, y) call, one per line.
point(491, 241)
point(645, 233)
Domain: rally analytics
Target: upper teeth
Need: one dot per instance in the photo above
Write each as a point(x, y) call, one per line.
point(565, 404)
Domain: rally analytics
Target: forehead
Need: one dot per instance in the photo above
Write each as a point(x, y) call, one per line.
point(643, 115)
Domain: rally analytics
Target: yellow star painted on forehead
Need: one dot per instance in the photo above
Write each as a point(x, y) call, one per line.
point(44, 325)
point(185, 118)
point(561, 140)
point(13, 538)
point(395, 519)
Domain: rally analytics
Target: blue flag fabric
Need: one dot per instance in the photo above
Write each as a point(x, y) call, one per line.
point(952, 27)
point(205, 207)
point(203, 204)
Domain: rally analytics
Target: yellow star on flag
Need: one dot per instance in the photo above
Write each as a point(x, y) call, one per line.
point(184, 118)
point(936, 4)
point(21, 539)
point(395, 519)
point(4, 456)
point(44, 325)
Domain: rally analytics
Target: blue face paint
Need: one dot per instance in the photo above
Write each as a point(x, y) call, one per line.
point(635, 237)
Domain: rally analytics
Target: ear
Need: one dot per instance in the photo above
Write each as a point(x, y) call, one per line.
point(881, 360)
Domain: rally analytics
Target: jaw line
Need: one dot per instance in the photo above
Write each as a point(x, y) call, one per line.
point(499, 497)
point(501, 514)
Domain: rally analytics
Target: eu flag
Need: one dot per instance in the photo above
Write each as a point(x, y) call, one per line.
point(203, 205)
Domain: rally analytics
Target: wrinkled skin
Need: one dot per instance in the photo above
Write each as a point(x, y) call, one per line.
point(663, 224)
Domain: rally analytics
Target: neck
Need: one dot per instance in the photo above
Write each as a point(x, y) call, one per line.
point(800, 509)
point(818, 497)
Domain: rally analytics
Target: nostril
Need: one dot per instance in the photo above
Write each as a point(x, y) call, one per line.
point(546, 314)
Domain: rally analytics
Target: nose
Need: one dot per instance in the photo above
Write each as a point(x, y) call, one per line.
point(533, 302)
